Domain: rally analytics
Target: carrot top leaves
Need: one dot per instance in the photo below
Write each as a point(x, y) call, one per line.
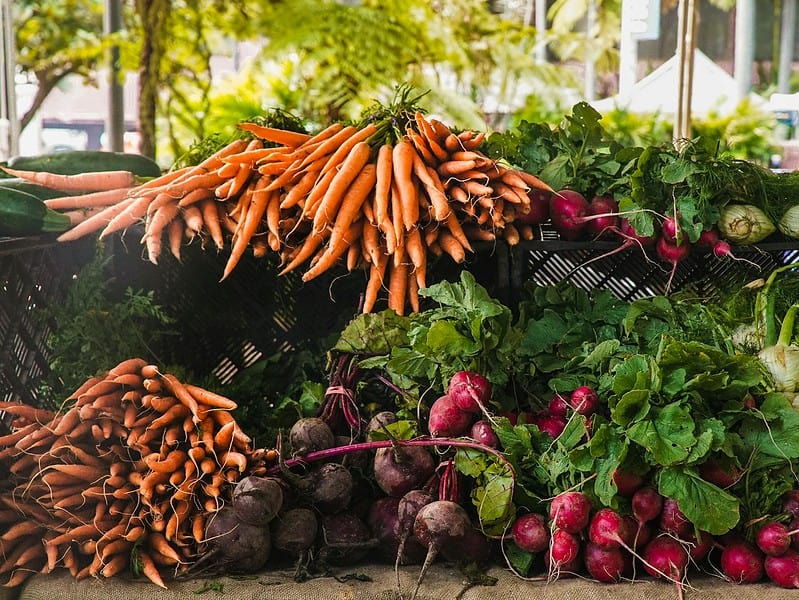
point(394, 118)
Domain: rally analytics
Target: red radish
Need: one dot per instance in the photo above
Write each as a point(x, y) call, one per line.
point(584, 400)
point(741, 562)
point(567, 209)
point(783, 570)
point(627, 483)
point(603, 216)
point(483, 432)
point(672, 519)
point(708, 238)
point(672, 232)
point(608, 529)
point(646, 504)
point(446, 419)
point(607, 565)
point(469, 391)
point(698, 548)
point(718, 473)
point(570, 511)
point(558, 405)
point(627, 232)
point(549, 424)
point(564, 548)
point(539, 207)
point(790, 502)
point(643, 533)
point(672, 254)
point(665, 557)
point(530, 532)
point(773, 539)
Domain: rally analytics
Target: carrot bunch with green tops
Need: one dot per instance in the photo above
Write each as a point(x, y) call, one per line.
point(124, 479)
point(350, 193)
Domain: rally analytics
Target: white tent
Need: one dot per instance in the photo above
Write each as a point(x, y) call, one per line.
point(714, 90)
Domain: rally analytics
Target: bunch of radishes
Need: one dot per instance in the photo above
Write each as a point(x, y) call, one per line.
point(576, 537)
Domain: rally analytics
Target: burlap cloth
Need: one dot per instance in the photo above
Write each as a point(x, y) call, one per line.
point(378, 582)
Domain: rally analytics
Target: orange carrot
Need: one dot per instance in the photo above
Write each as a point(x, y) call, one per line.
point(352, 202)
point(149, 569)
point(433, 187)
point(329, 145)
point(284, 137)
point(350, 169)
point(130, 212)
point(376, 274)
point(332, 253)
point(413, 292)
point(421, 146)
point(456, 229)
point(430, 136)
point(397, 287)
point(416, 251)
point(299, 190)
point(92, 181)
point(183, 395)
point(451, 246)
point(383, 175)
point(533, 181)
point(248, 227)
point(90, 200)
point(348, 146)
point(402, 162)
point(306, 251)
point(210, 399)
point(97, 221)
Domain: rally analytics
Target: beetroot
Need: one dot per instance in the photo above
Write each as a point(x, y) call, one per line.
point(469, 391)
point(665, 557)
point(380, 420)
point(790, 502)
point(346, 539)
point(383, 521)
point(783, 570)
point(438, 525)
point(256, 500)
point(741, 562)
point(330, 487)
point(398, 470)
point(237, 546)
point(606, 564)
point(773, 539)
point(570, 511)
point(310, 434)
point(567, 209)
point(294, 531)
point(530, 532)
point(446, 419)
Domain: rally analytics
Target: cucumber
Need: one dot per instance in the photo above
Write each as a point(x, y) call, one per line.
point(23, 212)
point(73, 162)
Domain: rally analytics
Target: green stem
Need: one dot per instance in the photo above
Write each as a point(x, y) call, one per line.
point(786, 331)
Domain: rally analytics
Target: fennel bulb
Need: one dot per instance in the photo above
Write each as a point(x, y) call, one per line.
point(744, 224)
point(789, 222)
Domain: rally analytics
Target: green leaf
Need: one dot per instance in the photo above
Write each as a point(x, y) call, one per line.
point(669, 436)
point(707, 506)
point(632, 406)
point(373, 333)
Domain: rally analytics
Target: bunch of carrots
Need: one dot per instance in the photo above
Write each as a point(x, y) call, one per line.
point(124, 479)
point(347, 194)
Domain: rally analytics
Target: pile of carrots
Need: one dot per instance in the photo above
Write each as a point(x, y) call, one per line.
point(343, 195)
point(123, 480)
